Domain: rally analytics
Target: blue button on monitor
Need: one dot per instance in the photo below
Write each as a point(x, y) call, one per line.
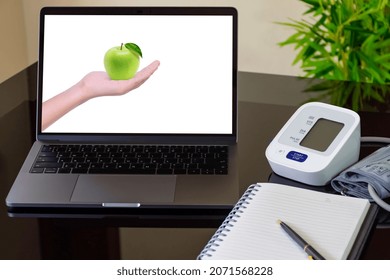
point(293, 155)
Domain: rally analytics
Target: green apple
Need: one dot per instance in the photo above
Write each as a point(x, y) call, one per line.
point(122, 62)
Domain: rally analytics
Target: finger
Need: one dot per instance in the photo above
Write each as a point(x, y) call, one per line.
point(147, 71)
point(140, 77)
point(150, 69)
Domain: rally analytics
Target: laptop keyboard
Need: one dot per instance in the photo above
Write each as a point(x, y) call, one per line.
point(131, 159)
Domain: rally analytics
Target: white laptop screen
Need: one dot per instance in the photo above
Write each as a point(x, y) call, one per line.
point(190, 93)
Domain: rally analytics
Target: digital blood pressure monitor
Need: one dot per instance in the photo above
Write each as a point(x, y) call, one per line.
point(316, 143)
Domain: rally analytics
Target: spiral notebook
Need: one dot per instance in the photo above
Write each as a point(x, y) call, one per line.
point(336, 226)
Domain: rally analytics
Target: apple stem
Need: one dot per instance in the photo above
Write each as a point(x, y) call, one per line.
point(121, 45)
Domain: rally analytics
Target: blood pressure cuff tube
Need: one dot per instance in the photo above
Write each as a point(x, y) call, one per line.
point(373, 170)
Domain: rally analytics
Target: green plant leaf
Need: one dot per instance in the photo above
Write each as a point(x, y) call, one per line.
point(386, 65)
point(319, 47)
point(382, 44)
point(293, 39)
point(372, 67)
point(357, 29)
point(134, 47)
point(383, 58)
point(313, 3)
point(353, 67)
point(346, 40)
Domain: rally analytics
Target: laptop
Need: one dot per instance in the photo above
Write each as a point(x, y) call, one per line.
point(149, 147)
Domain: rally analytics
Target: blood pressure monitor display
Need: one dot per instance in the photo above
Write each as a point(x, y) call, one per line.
point(316, 143)
point(321, 135)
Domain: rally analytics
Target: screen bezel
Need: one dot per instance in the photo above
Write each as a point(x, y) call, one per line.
point(138, 137)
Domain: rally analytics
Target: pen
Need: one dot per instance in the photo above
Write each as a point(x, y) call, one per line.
point(301, 242)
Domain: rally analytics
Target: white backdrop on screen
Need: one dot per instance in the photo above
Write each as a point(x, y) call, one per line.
point(189, 93)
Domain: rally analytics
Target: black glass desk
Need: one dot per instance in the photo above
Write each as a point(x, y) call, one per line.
point(95, 235)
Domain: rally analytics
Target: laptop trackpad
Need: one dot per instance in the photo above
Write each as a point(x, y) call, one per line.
point(124, 189)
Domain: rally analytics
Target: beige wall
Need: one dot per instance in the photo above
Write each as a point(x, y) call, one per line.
point(13, 41)
point(258, 33)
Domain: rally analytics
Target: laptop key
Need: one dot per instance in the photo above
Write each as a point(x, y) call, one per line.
point(77, 160)
point(82, 165)
point(64, 159)
point(179, 171)
point(47, 165)
point(170, 160)
point(47, 154)
point(69, 165)
point(131, 160)
point(221, 171)
point(144, 160)
point(64, 170)
point(123, 166)
point(193, 171)
point(104, 160)
point(164, 166)
point(37, 170)
point(198, 160)
point(51, 170)
point(150, 166)
point(207, 171)
point(47, 159)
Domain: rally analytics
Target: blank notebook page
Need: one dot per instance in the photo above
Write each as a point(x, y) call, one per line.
point(330, 223)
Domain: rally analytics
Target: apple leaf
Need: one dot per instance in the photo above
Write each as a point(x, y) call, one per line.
point(134, 47)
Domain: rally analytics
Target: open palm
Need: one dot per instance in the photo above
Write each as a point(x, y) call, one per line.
point(98, 83)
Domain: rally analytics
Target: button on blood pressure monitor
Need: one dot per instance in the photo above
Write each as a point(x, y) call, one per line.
point(316, 143)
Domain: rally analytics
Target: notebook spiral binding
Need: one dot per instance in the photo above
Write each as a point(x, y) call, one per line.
point(228, 222)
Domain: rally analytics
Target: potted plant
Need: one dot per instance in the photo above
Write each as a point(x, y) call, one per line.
point(347, 44)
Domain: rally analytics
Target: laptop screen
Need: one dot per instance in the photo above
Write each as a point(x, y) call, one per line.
point(191, 93)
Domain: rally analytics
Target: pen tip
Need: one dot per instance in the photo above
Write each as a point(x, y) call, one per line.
point(278, 221)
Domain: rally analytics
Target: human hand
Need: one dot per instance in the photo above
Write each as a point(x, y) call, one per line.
point(98, 83)
point(92, 85)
